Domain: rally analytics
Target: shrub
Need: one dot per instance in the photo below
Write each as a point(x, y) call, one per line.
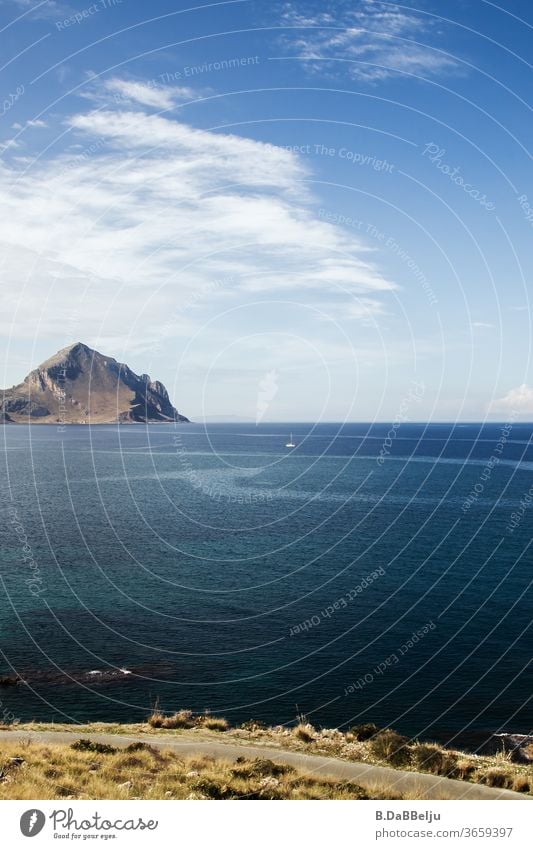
point(464, 770)
point(304, 732)
point(521, 784)
point(156, 719)
point(139, 746)
point(390, 746)
point(181, 719)
point(431, 758)
point(496, 778)
point(214, 723)
point(84, 745)
point(364, 732)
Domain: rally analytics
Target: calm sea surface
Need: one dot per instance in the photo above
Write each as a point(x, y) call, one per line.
point(214, 568)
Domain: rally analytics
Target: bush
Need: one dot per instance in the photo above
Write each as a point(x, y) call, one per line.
point(181, 719)
point(185, 719)
point(390, 746)
point(84, 745)
point(431, 758)
point(365, 731)
point(304, 732)
point(464, 770)
point(214, 723)
point(521, 784)
point(496, 778)
point(139, 746)
point(156, 719)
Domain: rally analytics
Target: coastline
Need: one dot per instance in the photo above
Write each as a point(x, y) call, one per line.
point(251, 761)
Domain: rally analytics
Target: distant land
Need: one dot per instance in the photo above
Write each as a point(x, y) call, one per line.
point(222, 419)
point(81, 386)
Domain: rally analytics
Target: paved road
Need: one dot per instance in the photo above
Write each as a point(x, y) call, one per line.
point(366, 775)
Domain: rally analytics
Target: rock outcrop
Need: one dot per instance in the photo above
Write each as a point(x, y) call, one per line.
point(80, 386)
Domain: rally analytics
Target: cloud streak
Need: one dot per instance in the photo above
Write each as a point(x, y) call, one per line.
point(146, 94)
point(375, 41)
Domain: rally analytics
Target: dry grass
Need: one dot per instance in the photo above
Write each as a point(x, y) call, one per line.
point(142, 772)
point(365, 743)
point(186, 719)
point(214, 723)
point(304, 732)
point(181, 719)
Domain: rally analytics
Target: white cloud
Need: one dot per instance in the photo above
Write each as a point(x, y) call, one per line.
point(34, 124)
point(143, 212)
point(518, 401)
point(146, 94)
point(365, 309)
point(8, 144)
point(43, 9)
point(374, 40)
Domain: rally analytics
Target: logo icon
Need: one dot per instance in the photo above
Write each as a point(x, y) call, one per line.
point(267, 391)
point(32, 822)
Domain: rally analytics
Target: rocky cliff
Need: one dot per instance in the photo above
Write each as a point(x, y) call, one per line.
point(80, 386)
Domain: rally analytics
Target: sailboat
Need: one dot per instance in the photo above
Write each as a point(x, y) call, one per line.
point(290, 443)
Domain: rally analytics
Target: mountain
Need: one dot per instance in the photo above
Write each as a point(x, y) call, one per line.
point(80, 386)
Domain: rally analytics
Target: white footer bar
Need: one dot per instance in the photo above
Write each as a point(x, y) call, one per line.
point(263, 824)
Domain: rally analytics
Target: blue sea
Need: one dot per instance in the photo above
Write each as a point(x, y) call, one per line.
point(372, 573)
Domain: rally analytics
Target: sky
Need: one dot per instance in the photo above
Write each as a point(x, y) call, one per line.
point(283, 211)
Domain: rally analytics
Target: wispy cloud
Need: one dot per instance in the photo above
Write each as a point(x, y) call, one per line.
point(142, 212)
point(146, 94)
point(41, 9)
point(373, 40)
point(33, 124)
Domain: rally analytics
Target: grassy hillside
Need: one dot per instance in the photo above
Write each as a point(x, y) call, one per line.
point(88, 770)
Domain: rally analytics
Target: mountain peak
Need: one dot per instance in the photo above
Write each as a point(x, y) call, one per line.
point(77, 346)
point(78, 385)
point(80, 347)
point(73, 351)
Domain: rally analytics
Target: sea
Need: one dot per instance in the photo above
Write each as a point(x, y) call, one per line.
point(372, 573)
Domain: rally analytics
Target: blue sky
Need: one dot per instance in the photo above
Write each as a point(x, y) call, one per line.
point(292, 211)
